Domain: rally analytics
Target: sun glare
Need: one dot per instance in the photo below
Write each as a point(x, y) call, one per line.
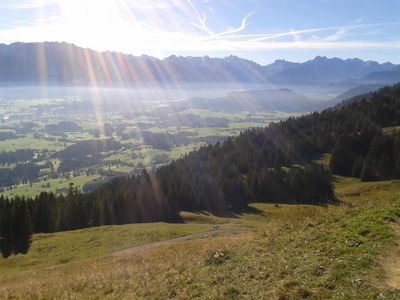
point(129, 26)
point(98, 23)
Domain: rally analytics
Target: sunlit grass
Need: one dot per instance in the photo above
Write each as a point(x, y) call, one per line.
point(29, 142)
point(391, 130)
point(54, 185)
point(368, 194)
point(65, 247)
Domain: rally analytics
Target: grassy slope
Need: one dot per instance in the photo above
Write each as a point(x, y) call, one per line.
point(71, 246)
point(284, 252)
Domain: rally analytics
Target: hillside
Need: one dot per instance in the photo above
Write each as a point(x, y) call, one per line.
point(357, 91)
point(352, 95)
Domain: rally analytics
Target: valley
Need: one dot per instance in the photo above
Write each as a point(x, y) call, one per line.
point(38, 138)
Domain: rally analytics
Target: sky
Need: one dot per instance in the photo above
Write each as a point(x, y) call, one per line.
point(260, 30)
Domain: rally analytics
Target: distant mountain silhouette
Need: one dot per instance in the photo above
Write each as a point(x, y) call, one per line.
point(324, 70)
point(279, 66)
point(63, 63)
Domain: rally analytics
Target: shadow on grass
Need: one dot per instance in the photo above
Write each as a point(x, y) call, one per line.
point(249, 210)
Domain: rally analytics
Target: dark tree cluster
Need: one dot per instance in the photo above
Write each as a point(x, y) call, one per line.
point(367, 157)
point(21, 155)
point(311, 184)
point(165, 141)
point(62, 127)
point(22, 173)
point(89, 147)
point(77, 163)
point(211, 179)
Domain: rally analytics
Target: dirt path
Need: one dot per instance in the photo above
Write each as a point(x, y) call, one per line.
point(215, 231)
point(391, 263)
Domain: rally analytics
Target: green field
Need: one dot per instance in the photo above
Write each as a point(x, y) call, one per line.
point(28, 142)
point(30, 119)
point(55, 185)
point(270, 252)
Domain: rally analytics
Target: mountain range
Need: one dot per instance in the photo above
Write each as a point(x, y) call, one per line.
point(64, 63)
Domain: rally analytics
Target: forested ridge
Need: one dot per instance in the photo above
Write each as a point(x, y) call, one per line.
point(272, 164)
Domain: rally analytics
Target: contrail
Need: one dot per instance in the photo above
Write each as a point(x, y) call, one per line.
point(239, 29)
